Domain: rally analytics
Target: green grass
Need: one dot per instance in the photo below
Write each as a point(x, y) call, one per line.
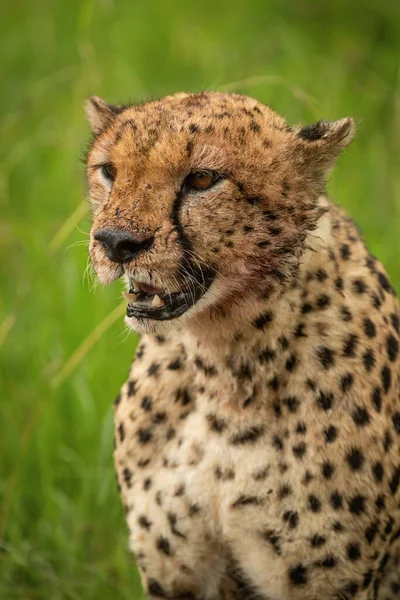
point(62, 532)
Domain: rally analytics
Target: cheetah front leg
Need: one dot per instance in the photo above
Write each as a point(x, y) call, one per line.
point(156, 458)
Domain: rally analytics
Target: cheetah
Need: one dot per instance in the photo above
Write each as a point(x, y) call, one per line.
point(258, 433)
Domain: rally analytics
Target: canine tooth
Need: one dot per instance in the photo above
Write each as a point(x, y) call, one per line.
point(129, 297)
point(157, 301)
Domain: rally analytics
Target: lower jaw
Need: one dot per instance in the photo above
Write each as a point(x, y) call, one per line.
point(162, 313)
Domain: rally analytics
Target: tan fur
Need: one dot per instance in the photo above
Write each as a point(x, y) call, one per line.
point(258, 434)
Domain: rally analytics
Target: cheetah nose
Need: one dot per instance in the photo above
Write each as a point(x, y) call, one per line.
point(121, 246)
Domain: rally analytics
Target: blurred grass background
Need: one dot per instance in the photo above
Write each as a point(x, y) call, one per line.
point(62, 532)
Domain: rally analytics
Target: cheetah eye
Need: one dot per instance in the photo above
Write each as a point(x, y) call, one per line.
point(109, 171)
point(201, 180)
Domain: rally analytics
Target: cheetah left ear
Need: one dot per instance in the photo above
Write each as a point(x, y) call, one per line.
point(323, 141)
point(100, 113)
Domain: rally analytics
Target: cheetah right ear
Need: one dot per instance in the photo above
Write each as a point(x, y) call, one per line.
point(101, 114)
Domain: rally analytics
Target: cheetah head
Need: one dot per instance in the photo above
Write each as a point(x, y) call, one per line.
point(202, 201)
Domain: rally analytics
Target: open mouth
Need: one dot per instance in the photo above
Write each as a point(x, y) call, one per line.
point(147, 302)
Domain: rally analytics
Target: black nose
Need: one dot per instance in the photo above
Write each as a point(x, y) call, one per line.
point(122, 246)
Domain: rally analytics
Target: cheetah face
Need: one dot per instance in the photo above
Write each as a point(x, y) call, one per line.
point(202, 200)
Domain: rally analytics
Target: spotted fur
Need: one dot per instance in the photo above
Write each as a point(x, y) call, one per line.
point(258, 435)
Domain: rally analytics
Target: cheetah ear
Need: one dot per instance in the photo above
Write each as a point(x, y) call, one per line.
point(101, 114)
point(323, 141)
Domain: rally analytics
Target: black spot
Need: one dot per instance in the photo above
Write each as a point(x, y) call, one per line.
point(117, 399)
point(261, 474)
point(392, 347)
point(351, 588)
point(246, 436)
point(193, 128)
point(208, 370)
point(346, 382)
point(291, 363)
point(216, 423)
point(368, 359)
point(336, 500)
point(359, 286)
point(301, 428)
point(337, 526)
point(321, 275)
point(355, 459)
point(357, 504)
point(144, 523)
point(263, 320)
point(144, 436)
point(172, 519)
point(345, 314)
point(292, 403)
point(328, 469)
point(273, 383)
point(298, 575)
point(271, 537)
point(147, 403)
point(155, 589)
point(299, 450)
point(328, 563)
point(330, 434)
point(396, 421)
point(360, 416)
point(339, 284)
point(163, 545)
point(387, 442)
point(377, 470)
point(266, 355)
point(185, 397)
point(384, 282)
point(153, 369)
point(326, 357)
point(159, 417)
point(367, 578)
point(395, 322)
point(325, 401)
point(246, 500)
point(377, 399)
point(277, 442)
point(189, 148)
point(384, 561)
point(345, 251)
point(147, 484)
point(299, 331)
point(127, 475)
point(395, 481)
point(121, 432)
point(371, 531)
point(386, 377)
point(369, 328)
point(306, 308)
point(284, 491)
point(314, 503)
point(174, 365)
point(317, 540)
point(323, 302)
point(350, 345)
point(291, 517)
point(132, 388)
point(353, 551)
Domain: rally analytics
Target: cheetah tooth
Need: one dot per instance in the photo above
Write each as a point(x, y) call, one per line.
point(157, 301)
point(130, 298)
